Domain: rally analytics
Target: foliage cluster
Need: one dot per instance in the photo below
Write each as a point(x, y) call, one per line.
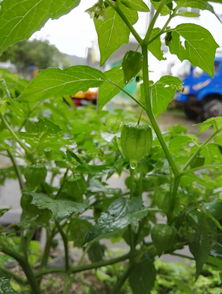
point(34, 53)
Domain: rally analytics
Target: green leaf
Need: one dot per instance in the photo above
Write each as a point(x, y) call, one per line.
point(42, 126)
point(188, 14)
point(14, 83)
point(215, 122)
point(138, 5)
point(112, 31)
point(108, 90)
point(57, 82)
point(200, 4)
point(5, 287)
point(118, 216)
point(60, 209)
point(78, 231)
point(217, 262)
point(163, 92)
point(35, 175)
point(73, 188)
point(19, 20)
point(142, 277)
point(193, 42)
point(96, 252)
point(164, 11)
point(61, 7)
point(155, 46)
point(31, 215)
point(132, 64)
point(202, 242)
point(3, 211)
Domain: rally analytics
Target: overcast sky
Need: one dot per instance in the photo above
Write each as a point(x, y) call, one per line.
point(74, 32)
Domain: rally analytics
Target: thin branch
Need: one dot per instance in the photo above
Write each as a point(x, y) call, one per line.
point(148, 109)
point(153, 21)
point(65, 244)
point(17, 139)
point(207, 166)
point(173, 194)
point(4, 85)
point(48, 244)
point(68, 284)
point(17, 169)
point(63, 183)
point(163, 30)
point(84, 267)
point(31, 279)
point(195, 154)
point(13, 276)
point(126, 21)
point(121, 281)
point(127, 93)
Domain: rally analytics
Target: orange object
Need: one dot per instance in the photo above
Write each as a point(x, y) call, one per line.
point(90, 94)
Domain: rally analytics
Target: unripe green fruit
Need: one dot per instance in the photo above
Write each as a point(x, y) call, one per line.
point(163, 237)
point(136, 141)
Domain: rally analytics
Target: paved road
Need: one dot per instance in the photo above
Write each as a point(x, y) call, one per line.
point(173, 117)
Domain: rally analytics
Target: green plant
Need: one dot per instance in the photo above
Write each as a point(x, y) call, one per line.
point(63, 157)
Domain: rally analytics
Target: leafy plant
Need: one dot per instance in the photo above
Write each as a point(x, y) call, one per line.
point(63, 157)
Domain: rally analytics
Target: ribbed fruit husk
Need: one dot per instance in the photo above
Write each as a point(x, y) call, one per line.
point(136, 141)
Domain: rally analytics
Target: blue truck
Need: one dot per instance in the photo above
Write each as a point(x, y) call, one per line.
point(201, 97)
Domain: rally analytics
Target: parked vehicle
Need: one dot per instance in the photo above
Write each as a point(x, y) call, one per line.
point(84, 98)
point(202, 95)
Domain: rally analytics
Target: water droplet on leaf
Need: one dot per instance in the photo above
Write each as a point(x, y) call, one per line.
point(133, 164)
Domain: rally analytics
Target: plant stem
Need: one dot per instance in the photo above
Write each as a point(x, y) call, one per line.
point(121, 281)
point(207, 166)
point(162, 31)
point(28, 115)
point(4, 120)
point(153, 21)
point(148, 104)
point(46, 252)
point(17, 170)
point(85, 267)
point(68, 284)
point(126, 21)
point(172, 198)
point(13, 276)
point(63, 183)
point(65, 244)
point(182, 256)
point(26, 268)
point(195, 154)
point(128, 94)
point(4, 85)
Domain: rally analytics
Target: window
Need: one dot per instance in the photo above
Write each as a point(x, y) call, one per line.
point(216, 67)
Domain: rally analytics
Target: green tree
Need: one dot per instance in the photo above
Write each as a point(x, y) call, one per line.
point(38, 53)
